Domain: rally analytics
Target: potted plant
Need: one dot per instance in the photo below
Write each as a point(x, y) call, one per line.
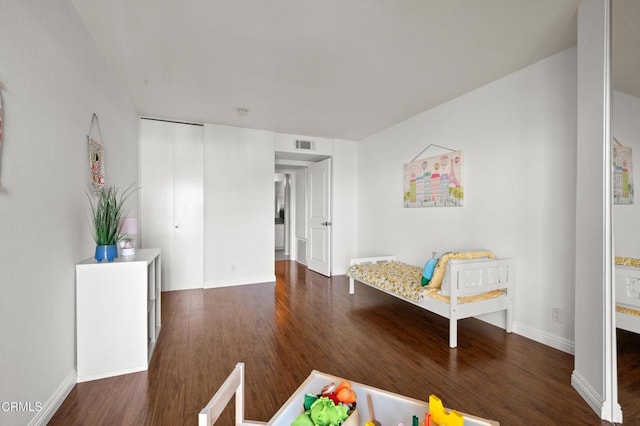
point(106, 212)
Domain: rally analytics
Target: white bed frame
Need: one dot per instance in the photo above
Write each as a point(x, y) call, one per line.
point(470, 278)
point(627, 283)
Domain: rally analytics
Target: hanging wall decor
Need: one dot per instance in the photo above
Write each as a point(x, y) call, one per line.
point(96, 156)
point(434, 181)
point(1, 87)
point(622, 174)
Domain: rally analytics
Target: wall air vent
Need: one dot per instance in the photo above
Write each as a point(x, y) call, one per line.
point(306, 145)
point(302, 251)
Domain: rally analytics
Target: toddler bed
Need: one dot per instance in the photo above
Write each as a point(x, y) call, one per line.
point(463, 285)
point(627, 293)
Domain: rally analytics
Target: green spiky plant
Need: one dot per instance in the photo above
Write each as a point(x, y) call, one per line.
point(106, 213)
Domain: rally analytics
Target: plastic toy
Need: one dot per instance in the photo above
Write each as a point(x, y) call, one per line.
point(344, 393)
point(439, 415)
point(429, 267)
point(330, 408)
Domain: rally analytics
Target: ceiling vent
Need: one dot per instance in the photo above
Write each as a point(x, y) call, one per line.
point(306, 145)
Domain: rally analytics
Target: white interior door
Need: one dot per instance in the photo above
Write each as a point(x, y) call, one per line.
point(319, 258)
point(156, 190)
point(187, 268)
point(171, 200)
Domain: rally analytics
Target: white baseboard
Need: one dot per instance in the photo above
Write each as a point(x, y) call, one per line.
point(601, 407)
point(587, 392)
point(240, 281)
point(340, 270)
point(111, 373)
point(545, 338)
point(54, 402)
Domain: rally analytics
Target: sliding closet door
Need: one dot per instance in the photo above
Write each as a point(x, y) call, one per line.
point(188, 207)
point(171, 210)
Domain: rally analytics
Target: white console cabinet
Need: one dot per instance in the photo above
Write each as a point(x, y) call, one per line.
point(117, 314)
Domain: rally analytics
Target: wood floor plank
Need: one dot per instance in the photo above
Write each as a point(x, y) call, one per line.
point(305, 321)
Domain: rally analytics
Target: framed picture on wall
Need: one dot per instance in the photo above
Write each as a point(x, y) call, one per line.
point(622, 175)
point(1, 87)
point(434, 181)
point(96, 156)
point(96, 162)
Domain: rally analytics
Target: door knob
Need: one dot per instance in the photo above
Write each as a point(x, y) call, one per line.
point(326, 223)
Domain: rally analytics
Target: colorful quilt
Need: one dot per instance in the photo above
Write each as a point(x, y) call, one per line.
point(405, 280)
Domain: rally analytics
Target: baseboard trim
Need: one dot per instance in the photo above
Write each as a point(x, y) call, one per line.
point(536, 335)
point(601, 407)
point(340, 270)
point(240, 281)
point(54, 402)
point(548, 339)
point(111, 373)
point(587, 393)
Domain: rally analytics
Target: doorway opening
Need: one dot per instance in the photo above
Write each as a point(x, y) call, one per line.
point(282, 216)
point(305, 241)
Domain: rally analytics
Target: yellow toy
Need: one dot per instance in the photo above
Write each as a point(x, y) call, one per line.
point(439, 415)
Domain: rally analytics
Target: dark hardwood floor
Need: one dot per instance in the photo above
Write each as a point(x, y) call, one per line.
point(629, 376)
point(306, 321)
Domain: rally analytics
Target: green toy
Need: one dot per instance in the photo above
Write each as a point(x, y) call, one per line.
point(323, 412)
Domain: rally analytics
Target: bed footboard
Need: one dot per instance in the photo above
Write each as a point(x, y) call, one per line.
point(474, 277)
point(627, 289)
point(367, 261)
point(628, 286)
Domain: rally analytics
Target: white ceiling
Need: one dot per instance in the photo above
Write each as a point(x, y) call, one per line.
point(330, 68)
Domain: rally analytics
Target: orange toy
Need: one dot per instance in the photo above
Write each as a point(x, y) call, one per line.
point(344, 393)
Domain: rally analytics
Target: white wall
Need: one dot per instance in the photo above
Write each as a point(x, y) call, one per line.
point(594, 375)
point(55, 79)
point(519, 140)
point(238, 207)
point(626, 129)
point(345, 204)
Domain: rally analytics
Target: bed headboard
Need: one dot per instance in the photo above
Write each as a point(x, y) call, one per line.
point(627, 283)
point(480, 275)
